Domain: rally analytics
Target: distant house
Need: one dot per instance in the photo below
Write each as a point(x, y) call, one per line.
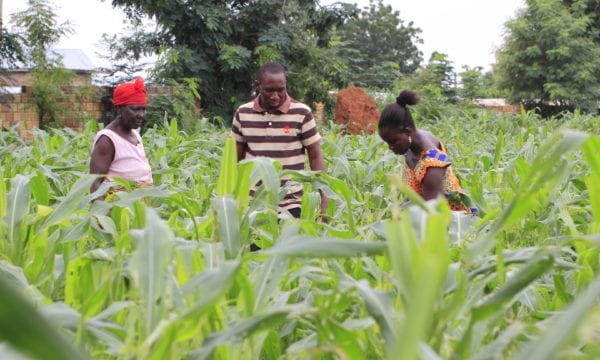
point(497, 104)
point(72, 59)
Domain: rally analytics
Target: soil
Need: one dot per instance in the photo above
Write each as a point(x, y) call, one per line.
point(357, 110)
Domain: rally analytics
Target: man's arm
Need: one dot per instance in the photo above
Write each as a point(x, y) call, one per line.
point(102, 156)
point(240, 148)
point(317, 162)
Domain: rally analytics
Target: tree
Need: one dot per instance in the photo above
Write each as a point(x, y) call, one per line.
point(436, 84)
point(379, 46)
point(40, 31)
point(550, 55)
point(11, 49)
point(222, 43)
point(438, 76)
point(477, 84)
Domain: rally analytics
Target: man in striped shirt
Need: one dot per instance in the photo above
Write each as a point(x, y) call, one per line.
point(276, 126)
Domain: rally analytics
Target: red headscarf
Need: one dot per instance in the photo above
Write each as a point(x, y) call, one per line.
point(130, 93)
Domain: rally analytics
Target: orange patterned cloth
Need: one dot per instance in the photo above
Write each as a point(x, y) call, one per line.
point(434, 158)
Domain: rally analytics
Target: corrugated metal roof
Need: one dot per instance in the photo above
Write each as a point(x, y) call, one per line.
point(72, 59)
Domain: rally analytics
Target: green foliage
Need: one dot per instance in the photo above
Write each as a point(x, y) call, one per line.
point(11, 50)
point(41, 31)
point(166, 272)
point(23, 322)
point(224, 43)
point(436, 84)
point(476, 84)
point(180, 105)
point(48, 94)
point(379, 47)
point(550, 55)
point(122, 67)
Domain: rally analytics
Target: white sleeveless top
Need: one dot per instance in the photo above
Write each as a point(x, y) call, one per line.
point(130, 160)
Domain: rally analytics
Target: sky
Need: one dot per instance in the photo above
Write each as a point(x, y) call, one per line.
point(468, 31)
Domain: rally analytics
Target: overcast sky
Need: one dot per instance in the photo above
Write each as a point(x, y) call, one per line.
point(467, 30)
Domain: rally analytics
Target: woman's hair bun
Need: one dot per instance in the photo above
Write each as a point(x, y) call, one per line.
point(407, 97)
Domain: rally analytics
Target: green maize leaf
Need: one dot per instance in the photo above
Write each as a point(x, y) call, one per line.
point(348, 344)
point(65, 209)
point(112, 310)
point(211, 285)
point(266, 280)
point(591, 149)
point(379, 306)
point(267, 172)
point(15, 276)
point(127, 199)
point(26, 330)
point(17, 205)
point(517, 283)
point(228, 225)
point(229, 169)
point(308, 246)
point(402, 243)
point(320, 181)
point(3, 198)
point(501, 343)
point(239, 331)
point(149, 267)
point(564, 329)
point(242, 190)
point(40, 190)
point(106, 224)
point(429, 269)
point(75, 232)
point(545, 171)
point(498, 148)
point(173, 129)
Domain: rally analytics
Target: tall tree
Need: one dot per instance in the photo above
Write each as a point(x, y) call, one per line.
point(435, 83)
point(222, 43)
point(477, 84)
point(380, 46)
point(11, 49)
point(41, 30)
point(551, 53)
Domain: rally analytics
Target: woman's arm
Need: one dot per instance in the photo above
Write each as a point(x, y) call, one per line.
point(102, 156)
point(433, 182)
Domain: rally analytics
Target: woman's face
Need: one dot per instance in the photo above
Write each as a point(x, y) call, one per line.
point(397, 140)
point(133, 116)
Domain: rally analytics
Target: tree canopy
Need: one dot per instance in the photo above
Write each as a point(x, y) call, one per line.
point(222, 43)
point(551, 53)
point(379, 46)
point(41, 30)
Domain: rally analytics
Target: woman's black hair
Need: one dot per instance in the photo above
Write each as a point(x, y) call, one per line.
point(397, 115)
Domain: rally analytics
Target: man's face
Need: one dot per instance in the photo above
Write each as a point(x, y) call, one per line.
point(272, 90)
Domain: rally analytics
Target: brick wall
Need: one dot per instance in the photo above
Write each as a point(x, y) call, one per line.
point(78, 105)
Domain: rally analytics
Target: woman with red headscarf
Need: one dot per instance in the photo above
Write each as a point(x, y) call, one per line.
point(118, 151)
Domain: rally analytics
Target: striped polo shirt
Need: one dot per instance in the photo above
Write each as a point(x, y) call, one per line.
point(282, 135)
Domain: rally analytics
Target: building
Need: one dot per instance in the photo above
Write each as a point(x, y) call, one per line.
point(76, 60)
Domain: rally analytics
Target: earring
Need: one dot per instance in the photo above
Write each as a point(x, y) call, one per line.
point(409, 140)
